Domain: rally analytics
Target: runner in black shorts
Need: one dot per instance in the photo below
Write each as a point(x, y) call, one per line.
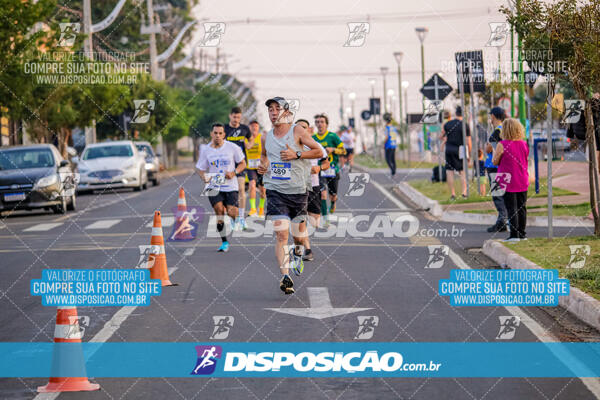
point(237, 133)
point(285, 164)
point(217, 168)
point(314, 196)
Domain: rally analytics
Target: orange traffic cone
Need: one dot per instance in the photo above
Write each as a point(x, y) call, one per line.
point(67, 330)
point(159, 267)
point(182, 221)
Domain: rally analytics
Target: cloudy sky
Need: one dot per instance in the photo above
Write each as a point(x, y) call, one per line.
point(295, 48)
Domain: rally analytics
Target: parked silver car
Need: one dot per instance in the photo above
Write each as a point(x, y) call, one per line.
point(152, 161)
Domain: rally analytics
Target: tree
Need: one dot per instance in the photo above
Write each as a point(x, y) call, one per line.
point(571, 32)
point(210, 104)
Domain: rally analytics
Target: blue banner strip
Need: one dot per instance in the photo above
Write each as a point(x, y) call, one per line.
point(300, 359)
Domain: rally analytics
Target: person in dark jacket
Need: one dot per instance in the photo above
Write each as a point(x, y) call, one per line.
point(497, 115)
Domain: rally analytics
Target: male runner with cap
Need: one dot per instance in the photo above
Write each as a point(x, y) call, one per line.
point(237, 133)
point(331, 176)
point(218, 164)
point(286, 170)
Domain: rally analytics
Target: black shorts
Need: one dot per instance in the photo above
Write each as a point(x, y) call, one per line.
point(330, 184)
point(349, 151)
point(252, 174)
point(259, 180)
point(314, 200)
point(280, 205)
point(453, 163)
point(241, 174)
point(227, 198)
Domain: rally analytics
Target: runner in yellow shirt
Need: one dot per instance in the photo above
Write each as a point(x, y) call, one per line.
point(253, 152)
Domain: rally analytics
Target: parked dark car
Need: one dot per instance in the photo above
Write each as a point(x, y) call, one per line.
point(36, 176)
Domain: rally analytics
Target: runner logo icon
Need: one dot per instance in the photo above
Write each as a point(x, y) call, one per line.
point(579, 253)
point(358, 34)
point(366, 326)
point(508, 326)
point(437, 255)
point(223, 323)
point(207, 359)
point(358, 183)
point(68, 33)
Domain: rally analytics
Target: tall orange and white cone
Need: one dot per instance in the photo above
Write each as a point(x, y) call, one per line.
point(157, 253)
point(182, 219)
point(67, 331)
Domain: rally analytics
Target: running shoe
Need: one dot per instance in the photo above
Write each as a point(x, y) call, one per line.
point(243, 225)
point(252, 212)
point(286, 284)
point(224, 247)
point(308, 255)
point(296, 262)
point(235, 226)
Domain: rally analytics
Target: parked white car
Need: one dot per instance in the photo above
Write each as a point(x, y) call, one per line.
point(111, 165)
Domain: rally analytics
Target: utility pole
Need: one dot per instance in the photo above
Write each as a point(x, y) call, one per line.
point(153, 55)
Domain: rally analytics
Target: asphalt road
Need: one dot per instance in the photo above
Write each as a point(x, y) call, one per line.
point(385, 274)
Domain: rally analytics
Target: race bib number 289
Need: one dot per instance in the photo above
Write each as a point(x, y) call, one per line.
point(282, 171)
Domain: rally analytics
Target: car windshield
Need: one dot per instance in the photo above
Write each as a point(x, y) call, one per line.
point(108, 151)
point(146, 148)
point(26, 158)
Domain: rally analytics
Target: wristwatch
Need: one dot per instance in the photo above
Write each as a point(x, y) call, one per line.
point(298, 154)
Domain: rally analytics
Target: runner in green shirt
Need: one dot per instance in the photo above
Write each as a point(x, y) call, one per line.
point(329, 178)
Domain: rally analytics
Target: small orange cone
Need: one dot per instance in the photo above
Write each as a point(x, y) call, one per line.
point(182, 219)
point(67, 331)
point(159, 267)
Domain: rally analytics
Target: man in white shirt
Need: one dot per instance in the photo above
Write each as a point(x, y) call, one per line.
point(217, 167)
point(348, 140)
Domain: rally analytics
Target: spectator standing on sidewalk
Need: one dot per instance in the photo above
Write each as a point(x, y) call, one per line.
point(497, 115)
point(511, 156)
point(452, 142)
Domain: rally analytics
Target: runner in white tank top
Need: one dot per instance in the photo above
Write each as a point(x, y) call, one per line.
point(286, 172)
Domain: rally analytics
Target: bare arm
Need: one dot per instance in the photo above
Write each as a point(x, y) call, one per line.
point(264, 161)
point(497, 154)
point(202, 174)
point(306, 140)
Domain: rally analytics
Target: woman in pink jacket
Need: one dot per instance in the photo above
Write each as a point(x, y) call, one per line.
point(511, 156)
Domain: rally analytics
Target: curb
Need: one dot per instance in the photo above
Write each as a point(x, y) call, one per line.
point(420, 200)
point(424, 202)
point(578, 303)
point(398, 170)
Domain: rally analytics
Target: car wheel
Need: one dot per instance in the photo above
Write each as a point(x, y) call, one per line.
point(140, 186)
point(72, 204)
point(61, 208)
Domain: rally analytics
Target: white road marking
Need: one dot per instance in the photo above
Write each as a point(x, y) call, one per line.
point(390, 196)
point(320, 306)
point(43, 227)
point(110, 327)
point(189, 251)
point(165, 221)
point(103, 224)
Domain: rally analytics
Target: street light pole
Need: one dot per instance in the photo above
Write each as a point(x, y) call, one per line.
point(384, 71)
point(398, 56)
point(375, 152)
point(405, 85)
point(421, 34)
